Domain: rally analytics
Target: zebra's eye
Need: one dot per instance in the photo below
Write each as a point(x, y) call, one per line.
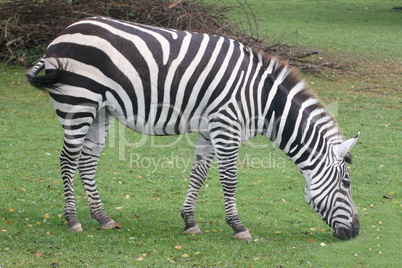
point(346, 183)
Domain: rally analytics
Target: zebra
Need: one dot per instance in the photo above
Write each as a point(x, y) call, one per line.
point(160, 81)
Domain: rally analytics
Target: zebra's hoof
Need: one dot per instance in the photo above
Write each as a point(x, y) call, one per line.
point(76, 228)
point(108, 225)
point(245, 236)
point(193, 230)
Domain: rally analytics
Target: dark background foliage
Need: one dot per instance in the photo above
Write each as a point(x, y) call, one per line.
point(27, 27)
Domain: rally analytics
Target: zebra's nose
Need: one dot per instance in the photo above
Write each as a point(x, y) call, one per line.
point(356, 224)
point(348, 232)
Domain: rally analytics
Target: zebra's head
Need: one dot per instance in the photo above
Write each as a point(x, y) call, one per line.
point(328, 191)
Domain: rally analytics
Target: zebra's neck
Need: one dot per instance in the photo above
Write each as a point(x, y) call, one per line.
point(295, 120)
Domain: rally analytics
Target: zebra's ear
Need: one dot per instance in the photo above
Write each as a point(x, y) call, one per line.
point(343, 149)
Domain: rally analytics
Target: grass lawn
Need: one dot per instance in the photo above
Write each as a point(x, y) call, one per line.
point(143, 187)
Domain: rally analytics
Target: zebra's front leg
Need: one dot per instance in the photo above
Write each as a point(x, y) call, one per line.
point(228, 179)
point(203, 158)
point(226, 142)
point(232, 216)
point(88, 163)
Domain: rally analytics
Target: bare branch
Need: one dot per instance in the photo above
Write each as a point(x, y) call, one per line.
point(28, 26)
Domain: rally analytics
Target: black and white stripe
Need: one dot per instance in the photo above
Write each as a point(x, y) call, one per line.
point(165, 82)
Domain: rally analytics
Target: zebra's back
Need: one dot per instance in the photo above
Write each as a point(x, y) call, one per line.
point(154, 80)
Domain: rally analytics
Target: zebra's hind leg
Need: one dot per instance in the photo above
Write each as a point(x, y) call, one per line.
point(68, 163)
point(88, 163)
point(203, 158)
point(76, 121)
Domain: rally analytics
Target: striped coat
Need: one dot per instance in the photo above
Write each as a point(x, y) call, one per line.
point(160, 81)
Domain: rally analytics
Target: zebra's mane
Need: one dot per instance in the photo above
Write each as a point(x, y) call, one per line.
point(290, 81)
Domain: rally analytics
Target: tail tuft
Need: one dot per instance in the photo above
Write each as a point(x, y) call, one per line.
point(45, 81)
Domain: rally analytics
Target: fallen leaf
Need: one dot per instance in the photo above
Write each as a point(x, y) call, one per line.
point(310, 240)
point(185, 255)
point(278, 232)
point(119, 208)
point(313, 229)
point(11, 210)
point(178, 247)
point(387, 196)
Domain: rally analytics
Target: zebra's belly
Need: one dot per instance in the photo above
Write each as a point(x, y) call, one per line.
point(160, 125)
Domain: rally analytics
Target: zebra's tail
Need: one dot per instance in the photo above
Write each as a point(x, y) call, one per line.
point(45, 81)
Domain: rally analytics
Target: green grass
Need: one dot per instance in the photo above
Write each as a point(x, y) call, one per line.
point(286, 234)
point(366, 29)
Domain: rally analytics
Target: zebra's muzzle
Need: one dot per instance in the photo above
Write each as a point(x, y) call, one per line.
point(348, 232)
